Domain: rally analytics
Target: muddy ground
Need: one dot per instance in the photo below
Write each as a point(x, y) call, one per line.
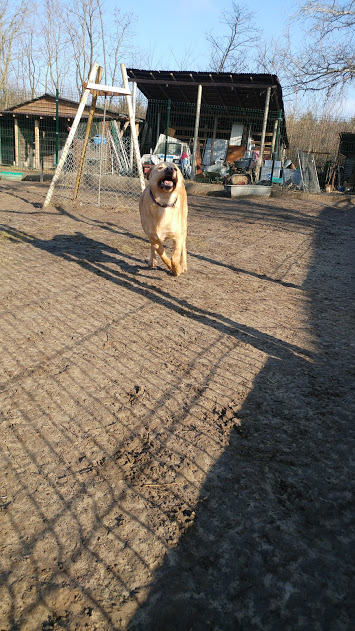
point(175, 453)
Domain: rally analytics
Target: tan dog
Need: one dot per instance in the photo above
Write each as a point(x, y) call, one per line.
point(163, 209)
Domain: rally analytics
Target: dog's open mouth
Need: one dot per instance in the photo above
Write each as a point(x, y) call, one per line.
point(168, 182)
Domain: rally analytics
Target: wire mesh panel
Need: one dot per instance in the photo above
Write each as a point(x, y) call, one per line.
point(219, 129)
point(106, 171)
point(308, 172)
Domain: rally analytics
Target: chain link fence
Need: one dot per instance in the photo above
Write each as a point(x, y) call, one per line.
point(106, 174)
point(33, 133)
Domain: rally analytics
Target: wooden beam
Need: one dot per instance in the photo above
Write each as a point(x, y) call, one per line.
point(37, 151)
point(106, 90)
point(133, 128)
point(17, 142)
point(263, 134)
point(197, 123)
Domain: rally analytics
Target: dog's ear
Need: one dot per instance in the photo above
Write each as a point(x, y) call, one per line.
point(147, 173)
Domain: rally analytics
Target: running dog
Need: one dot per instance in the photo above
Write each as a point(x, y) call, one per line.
point(163, 210)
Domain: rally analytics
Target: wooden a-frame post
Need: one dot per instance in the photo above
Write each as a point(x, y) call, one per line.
point(97, 89)
point(133, 128)
point(87, 134)
point(69, 140)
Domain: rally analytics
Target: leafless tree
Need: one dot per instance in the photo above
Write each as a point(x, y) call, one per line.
point(326, 59)
point(12, 16)
point(96, 35)
point(118, 43)
point(83, 27)
point(29, 63)
point(54, 47)
point(186, 59)
point(229, 52)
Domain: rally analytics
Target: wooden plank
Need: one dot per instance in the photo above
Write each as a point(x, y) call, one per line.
point(133, 128)
point(109, 90)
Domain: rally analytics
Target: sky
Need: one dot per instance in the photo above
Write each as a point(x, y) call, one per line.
point(165, 28)
point(168, 32)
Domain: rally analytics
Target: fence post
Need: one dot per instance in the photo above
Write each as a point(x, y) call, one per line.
point(263, 134)
point(56, 126)
point(197, 123)
point(133, 129)
point(276, 148)
point(167, 129)
point(37, 148)
point(17, 143)
point(134, 105)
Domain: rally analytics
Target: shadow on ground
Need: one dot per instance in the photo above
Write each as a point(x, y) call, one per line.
point(269, 547)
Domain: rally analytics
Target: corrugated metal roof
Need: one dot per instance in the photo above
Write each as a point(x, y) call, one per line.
point(247, 91)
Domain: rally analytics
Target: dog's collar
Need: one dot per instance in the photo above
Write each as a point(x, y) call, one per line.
point(161, 205)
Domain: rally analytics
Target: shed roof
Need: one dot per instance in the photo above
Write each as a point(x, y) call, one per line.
point(247, 91)
point(45, 105)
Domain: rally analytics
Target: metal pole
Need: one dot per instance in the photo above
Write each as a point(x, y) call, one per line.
point(133, 128)
point(167, 129)
point(263, 133)
point(197, 123)
point(56, 126)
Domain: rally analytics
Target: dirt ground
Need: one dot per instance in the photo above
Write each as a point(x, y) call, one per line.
point(175, 453)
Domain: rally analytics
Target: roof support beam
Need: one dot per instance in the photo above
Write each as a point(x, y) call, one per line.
point(197, 123)
point(220, 84)
point(263, 133)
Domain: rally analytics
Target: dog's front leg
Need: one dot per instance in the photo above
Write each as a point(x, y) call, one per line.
point(176, 257)
point(153, 257)
point(184, 256)
point(157, 247)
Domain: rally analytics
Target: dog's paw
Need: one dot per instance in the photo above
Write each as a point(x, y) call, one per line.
point(176, 269)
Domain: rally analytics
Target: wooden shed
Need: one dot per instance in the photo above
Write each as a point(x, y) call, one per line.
point(215, 113)
point(35, 130)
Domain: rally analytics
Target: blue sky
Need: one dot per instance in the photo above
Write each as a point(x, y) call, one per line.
point(164, 29)
point(168, 32)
